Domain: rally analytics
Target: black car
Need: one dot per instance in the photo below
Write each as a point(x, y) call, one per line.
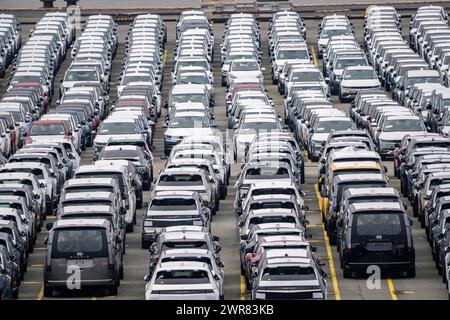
point(375, 234)
point(9, 276)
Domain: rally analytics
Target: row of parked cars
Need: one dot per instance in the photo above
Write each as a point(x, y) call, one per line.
point(184, 257)
point(276, 259)
point(10, 40)
point(97, 206)
point(34, 170)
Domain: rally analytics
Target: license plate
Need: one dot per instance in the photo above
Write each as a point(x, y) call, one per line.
point(82, 263)
point(379, 246)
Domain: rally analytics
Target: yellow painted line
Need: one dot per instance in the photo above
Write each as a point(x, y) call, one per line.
point(93, 298)
point(243, 296)
point(51, 217)
point(392, 289)
point(164, 57)
point(40, 248)
point(41, 293)
point(315, 241)
point(37, 265)
point(328, 249)
point(31, 282)
point(313, 51)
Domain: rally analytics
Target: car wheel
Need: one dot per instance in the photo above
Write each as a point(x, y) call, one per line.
point(145, 244)
point(113, 290)
point(411, 272)
point(347, 273)
point(15, 293)
point(222, 297)
point(130, 227)
point(444, 276)
point(48, 292)
point(121, 272)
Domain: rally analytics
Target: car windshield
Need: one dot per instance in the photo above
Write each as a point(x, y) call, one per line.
point(292, 54)
point(357, 185)
point(245, 66)
point(412, 81)
point(182, 277)
point(37, 172)
point(194, 79)
point(173, 204)
point(344, 63)
point(360, 74)
point(131, 155)
point(335, 32)
point(79, 243)
point(189, 122)
point(26, 79)
point(258, 127)
point(18, 117)
point(327, 126)
point(403, 125)
point(128, 79)
point(47, 129)
point(81, 76)
point(306, 76)
point(199, 63)
point(181, 179)
point(118, 128)
point(374, 224)
point(180, 98)
point(291, 273)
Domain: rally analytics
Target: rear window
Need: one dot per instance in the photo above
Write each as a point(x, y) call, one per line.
point(118, 176)
point(69, 243)
point(289, 273)
point(373, 224)
point(260, 192)
point(272, 219)
point(185, 244)
point(182, 277)
point(188, 179)
point(267, 171)
point(272, 205)
point(173, 204)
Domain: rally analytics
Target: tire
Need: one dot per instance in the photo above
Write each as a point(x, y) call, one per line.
point(121, 272)
point(138, 206)
point(15, 293)
point(134, 219)
point(444, 276)
point(332, 240)
point(347, 273)
point(145, 244)
point(415, 211)
point(113, 290)
point(130, 227)
point(222, 297)
point(411, 272)
point(48, 292)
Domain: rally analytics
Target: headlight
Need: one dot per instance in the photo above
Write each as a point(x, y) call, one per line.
point(204, 196)
point(172, 139)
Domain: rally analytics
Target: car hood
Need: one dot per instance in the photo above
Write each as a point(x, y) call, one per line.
point(320, 136)
point(103, 138)
point(245, 74)
point(187, 132)
point(360, 83)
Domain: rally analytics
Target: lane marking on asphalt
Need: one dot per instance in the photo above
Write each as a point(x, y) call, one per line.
point(243, 296)
point(164, 57)
point(392, 289)
point(93, 298)
point(313, 51)
point(31, 282)
point(41, 293)
point(51, 217)
point(37, 265)
point(328, 249)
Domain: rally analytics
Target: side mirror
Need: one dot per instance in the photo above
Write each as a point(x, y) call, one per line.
point(147, 278)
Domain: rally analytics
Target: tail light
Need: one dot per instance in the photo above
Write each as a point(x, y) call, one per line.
point(155, 261)
point(127, 204)
point(348, 250)
point(48, 268)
